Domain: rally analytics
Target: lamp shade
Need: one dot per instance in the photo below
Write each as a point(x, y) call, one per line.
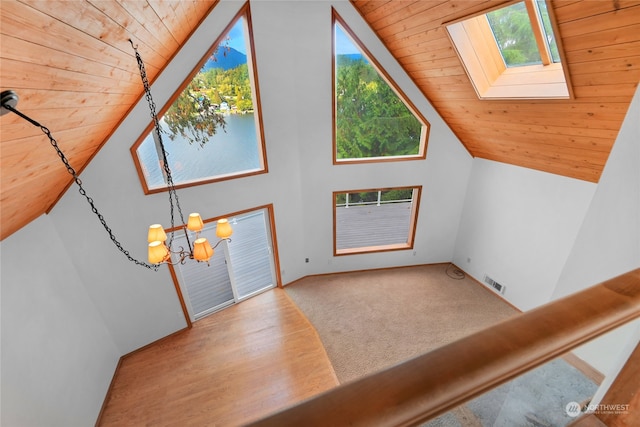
point(156, 233)
point(195, 222)
point(202, 250)
point(158, 252)
point(224, 230)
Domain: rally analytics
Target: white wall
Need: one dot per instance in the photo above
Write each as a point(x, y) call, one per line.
point(518, 227)
point(443, 174)
point(58, 356)
point(608, 243)
point(293, 57)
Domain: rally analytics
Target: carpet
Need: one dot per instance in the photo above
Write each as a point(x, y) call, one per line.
point(371, 320)
point(538, 398)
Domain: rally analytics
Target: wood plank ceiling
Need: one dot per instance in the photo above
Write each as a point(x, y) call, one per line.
point(572, 138)
point(74, 70)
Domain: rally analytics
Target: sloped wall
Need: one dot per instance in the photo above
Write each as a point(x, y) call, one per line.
point(608, 243)
point(57, 355)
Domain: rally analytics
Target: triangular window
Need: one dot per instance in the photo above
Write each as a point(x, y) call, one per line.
point(374, 120)
point(212, 127)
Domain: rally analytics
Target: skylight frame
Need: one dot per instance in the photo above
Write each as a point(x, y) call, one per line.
point(475, 45)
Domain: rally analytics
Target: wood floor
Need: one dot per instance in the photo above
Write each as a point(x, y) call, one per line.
point(232, 367)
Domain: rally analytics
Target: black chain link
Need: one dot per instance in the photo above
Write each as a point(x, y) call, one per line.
point(81, 189)
point(165, 163)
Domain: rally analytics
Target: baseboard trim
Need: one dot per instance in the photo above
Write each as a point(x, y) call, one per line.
point(334, 273)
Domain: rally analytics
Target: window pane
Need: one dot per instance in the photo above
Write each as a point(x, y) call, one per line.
point(511, 27)
point(548, 31)
point(372, 121)
point(375, 220)
point(210, 131)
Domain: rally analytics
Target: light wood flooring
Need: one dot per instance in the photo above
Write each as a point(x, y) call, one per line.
point(232, 367)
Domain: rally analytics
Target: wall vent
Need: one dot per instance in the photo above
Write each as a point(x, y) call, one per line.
point(495, 285)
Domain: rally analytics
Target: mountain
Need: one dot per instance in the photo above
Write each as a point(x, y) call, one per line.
point(352, 56)
point(347, 58)
point(226, 58)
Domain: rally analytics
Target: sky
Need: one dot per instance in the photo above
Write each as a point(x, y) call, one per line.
point(344, 45)
point(236, 37)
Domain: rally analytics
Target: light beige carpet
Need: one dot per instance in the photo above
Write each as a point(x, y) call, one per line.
point(371, 320)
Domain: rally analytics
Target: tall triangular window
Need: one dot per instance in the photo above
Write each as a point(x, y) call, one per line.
point(212, 127)
point(374, 120)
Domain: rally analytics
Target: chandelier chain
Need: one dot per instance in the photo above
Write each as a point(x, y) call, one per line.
point(165, 163)
point(81, 189)
point(83, 192)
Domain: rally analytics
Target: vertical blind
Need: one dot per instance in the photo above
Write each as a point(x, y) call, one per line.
point(208, 288)
point(250, 254)
point(250, 268)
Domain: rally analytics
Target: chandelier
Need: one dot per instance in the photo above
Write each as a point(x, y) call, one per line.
point(159, 250)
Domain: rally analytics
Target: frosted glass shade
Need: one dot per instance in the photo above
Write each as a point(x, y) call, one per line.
point(156, 233)
point(224, 230)
point(158, 252)
point(202, 250)
point(195, 222)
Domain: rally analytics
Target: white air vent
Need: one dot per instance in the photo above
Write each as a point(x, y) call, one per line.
point(495, 285)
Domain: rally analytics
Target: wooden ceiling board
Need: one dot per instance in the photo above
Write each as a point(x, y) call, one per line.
point(75, 72)
point(571, 137)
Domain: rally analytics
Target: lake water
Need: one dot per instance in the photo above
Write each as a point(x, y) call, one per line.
point(226, 153)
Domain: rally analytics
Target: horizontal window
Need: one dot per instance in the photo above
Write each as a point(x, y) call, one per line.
point(375, 220)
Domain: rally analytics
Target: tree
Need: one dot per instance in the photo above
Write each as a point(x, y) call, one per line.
point(193, 115)
point(511, 27)
point(371, 120)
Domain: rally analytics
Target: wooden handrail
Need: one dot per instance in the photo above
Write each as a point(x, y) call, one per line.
point(436, 382)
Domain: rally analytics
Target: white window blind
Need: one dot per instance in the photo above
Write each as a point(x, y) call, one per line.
point(208, 288)
point(249, 270)
point(250, 254)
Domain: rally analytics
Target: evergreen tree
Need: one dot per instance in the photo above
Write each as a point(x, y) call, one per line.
point(371, 120)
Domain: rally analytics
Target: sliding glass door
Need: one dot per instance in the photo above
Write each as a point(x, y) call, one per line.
point(240, 268)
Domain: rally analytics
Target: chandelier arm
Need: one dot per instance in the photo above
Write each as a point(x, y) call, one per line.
point(182, 254)
point(173, 194)
point(81, 189)
point(220, 241)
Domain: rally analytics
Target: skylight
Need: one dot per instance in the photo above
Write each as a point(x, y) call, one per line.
point(512, 52)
